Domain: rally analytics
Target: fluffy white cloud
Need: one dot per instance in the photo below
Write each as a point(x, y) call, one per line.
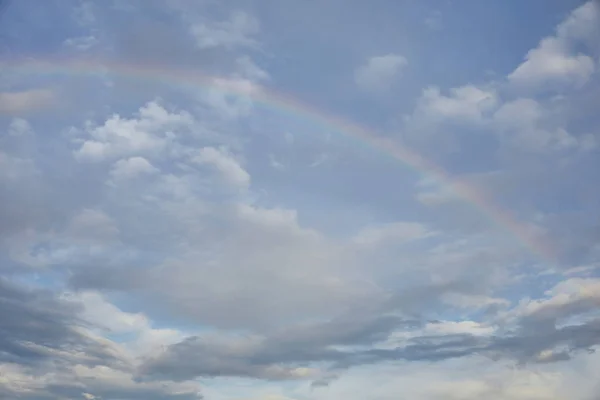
point(556, 60)
point(149, 134)
point(550, 62)
point(379, 72)
point(465, 103)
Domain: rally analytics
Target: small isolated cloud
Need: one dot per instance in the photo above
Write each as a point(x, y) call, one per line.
point(82, 43)
point(275, 164)
point(21, 102)
point(379, 72)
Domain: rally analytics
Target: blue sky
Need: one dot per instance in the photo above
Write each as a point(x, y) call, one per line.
point(162, 239)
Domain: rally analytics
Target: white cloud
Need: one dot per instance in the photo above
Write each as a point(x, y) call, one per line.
point(467, 103)
point(148, 134)
point(223, 162)
point(522, 122)
point(551, 63)
point(379, 72)
point(132, 167)
point(568, 299)
point(556, 61)
point(105, 317)
point(248, 69)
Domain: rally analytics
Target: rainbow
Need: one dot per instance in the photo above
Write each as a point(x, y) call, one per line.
point(289, 106)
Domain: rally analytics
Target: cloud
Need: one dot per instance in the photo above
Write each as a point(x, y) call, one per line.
point(379, 72)
point(237, 31)
point(343, 343)
point(40, 328)
point(132, 167)
point(22, 102)
point(556, 61)
point(47, 348)
point(523, 119)
point(249, 70)
point(275, 357)
point(149, 134)
point(223, 162)
point(466, 103)
point(152, 253)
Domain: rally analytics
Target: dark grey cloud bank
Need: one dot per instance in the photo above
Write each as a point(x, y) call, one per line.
point(43, 338)
point(38, 327)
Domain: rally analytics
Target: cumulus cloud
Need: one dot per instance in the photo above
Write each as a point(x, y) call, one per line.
point(523, 119)
point(379, 72)
point(556, 60)
point(466, 103)
point(149, 134)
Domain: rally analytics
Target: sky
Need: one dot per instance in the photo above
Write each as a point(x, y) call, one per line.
point(299, 200)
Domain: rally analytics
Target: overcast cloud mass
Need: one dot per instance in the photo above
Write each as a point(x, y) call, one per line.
point(183, 216)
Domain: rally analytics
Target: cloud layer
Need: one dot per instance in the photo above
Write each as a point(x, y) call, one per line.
point(194, 241)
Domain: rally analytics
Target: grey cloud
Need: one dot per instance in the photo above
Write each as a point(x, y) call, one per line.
point(21, 102)
point(273, 356)
point(100, 392)
point(37, 326)
point(42, 338)
point(535, 339)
